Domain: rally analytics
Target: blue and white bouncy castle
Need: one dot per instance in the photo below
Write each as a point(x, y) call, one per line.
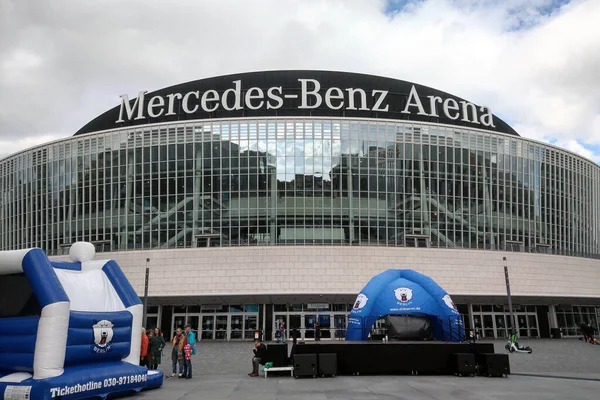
point(405, 292)
point(69, 330)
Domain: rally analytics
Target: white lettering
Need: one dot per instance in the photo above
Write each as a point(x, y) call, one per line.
point(172, 98)
point(139, 103)
point(249, 97)
point(237, 92)
point(314, 92)
point(186, 98)
point(450, 105)
point(382, 94)
point(487, 118)
point(433, 106)
point(214, 96)
point(330, 96)
point(465, 111)
point(363, 99)
point(414, 101)
point(156, 101)
point(273, 96)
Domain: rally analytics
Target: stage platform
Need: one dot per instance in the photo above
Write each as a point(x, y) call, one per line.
point(393, 358)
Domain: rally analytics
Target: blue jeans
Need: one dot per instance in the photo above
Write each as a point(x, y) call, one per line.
point(176, 362)
point(187, 368)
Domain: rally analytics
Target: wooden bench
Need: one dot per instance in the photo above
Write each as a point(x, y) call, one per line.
point(290, 368)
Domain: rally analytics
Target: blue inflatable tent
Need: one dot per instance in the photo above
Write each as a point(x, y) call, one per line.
point(405, 292)
point(68, 330)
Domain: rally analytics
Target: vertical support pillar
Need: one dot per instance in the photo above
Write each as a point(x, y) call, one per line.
point(272, 217)
point(425, 209)
point(350, 196)
point(196, 190)
point(487, 207)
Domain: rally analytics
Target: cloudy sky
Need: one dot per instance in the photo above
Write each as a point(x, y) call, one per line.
point(536, 63)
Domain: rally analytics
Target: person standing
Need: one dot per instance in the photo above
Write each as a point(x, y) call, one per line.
point(282, 332)
point(177, 352)
point(187, 362)
point(157, 342)
point(149, 356)
point(260, 351)
point(144, 349)
point(191, 337)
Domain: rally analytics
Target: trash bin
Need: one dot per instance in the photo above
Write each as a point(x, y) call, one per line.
point(555, 333)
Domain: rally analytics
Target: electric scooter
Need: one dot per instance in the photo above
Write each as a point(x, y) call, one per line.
point(513, 346)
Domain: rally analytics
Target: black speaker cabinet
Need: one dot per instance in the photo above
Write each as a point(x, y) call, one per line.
point(277, 353)
point(463, 364)
point(305, 365)
point(493, 364)
point(327, 364)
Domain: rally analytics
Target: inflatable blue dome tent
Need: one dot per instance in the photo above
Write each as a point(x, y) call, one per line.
point(68, 330)
point(405, 292)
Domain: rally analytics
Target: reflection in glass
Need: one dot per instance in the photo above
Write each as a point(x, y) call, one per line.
point(300, 182)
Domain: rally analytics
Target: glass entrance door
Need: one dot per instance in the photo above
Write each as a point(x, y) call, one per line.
point(221, 327)
point(237, 327)
point(295, 322)
point(339, 324)
point(309, 326)
point(208, 327)
point(325, 326)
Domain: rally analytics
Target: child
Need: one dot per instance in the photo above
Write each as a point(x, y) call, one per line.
point(187, 360)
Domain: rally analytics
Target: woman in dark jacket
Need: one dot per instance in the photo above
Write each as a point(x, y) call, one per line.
point(157, 343)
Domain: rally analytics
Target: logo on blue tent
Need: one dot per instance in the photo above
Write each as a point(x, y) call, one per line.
point(404, 294)
point(361, 301)
point(103, 335)
point(448, 300)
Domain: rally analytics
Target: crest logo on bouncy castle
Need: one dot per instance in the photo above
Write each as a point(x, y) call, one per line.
point(103, 335)
point(448, 300)
point(404, 294)
point(360, 302)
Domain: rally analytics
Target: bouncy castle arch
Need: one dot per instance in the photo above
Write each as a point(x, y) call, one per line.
point(405, 292)
point(68, 330)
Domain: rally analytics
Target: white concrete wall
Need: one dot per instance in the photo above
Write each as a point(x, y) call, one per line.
point(340, 270)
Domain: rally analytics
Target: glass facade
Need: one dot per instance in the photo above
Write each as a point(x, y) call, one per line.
point(307, 181)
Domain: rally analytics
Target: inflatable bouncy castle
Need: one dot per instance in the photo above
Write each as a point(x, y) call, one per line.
point(68, 330)
point(405, 295)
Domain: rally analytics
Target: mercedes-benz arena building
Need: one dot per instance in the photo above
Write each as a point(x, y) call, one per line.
point(259, 197)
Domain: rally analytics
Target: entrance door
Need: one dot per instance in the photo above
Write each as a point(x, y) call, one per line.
point(221, 327)
point(178, 322)
point(488, 326)
point(237, 327)
point(295, 323)
point(208, 327)
point(278, 319)
point(500, 326)
point(325, 326)
point(339, 324)
point(309, 326)
point(194, 321)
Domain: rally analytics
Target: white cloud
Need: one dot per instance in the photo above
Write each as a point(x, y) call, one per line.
point(11, 146)
point(64, 62)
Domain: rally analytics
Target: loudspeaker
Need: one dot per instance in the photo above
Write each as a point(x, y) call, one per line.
point(277, 353)
point(328, 364)
point(463, 364)
point(305, 365)
point(493, 364)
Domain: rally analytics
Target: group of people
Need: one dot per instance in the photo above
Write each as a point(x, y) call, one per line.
point(587, 330)
point(153, 343)
point(184, 346)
